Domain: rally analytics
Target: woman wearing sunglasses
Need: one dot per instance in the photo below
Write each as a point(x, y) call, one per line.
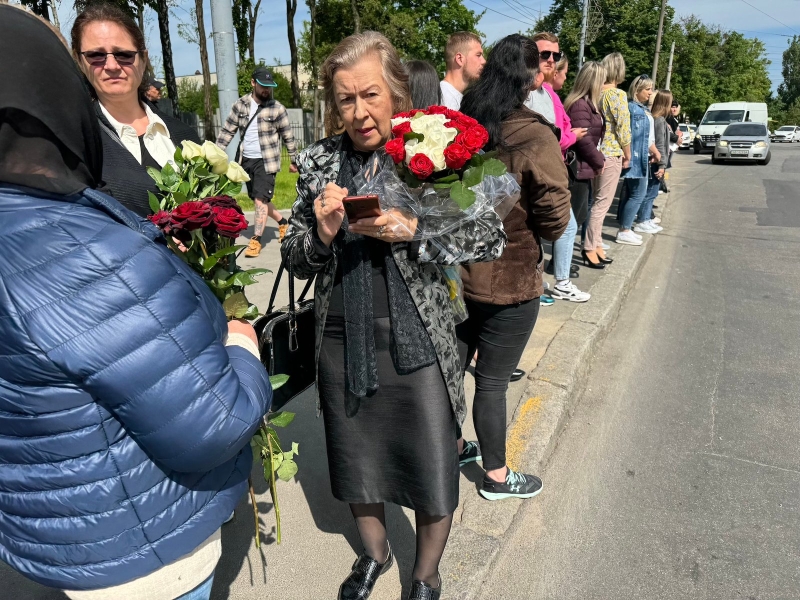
point(110, 50)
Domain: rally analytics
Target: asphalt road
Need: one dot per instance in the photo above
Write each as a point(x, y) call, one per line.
point(679, 473)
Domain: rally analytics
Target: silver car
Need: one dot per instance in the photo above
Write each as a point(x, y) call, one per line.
point(743, 141)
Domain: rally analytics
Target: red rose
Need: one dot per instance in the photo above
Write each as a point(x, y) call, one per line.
point(414, 111)
point(402, 115)
point(473, 138)
point(453, 114)
point(222, 202)
point(455, 155)
point(160, 219)
point(191, 215)
point(396, 148)
point(466, 122)
point(421, 166)
point(437, 110)
point(401, 129)
point(455, 125)
point(229, 222)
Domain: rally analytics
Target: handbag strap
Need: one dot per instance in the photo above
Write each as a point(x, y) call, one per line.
point(283, 268)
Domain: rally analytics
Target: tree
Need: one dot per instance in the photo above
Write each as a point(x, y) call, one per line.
point(208, 126)
point(789, 90)
point(291, 9)
point(162, 10)
point(356, 17)
point(417, 28)
point(312, 39)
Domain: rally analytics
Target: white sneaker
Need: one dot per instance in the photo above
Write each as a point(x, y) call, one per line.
point(655, 220)
point(655, 226)
point(568, 291)
point(645, 227)
point(605, 246)
point(629, 238)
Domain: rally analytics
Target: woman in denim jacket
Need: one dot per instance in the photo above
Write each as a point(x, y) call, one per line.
point(642, 145)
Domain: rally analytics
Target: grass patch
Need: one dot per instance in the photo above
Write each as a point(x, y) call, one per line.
point(285, 190)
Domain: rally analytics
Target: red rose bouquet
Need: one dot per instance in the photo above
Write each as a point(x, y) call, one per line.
point(439, 172)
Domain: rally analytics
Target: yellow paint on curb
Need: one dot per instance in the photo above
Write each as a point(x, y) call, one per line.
point(520, 431)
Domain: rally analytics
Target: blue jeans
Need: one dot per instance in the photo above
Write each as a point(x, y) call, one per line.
point(646, 209)
point(637, 190)
point(201, 592)
point(562, 249)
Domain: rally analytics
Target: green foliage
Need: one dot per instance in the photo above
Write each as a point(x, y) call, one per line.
point(282, 93)
point(418, 28)
point(190, 96)
point(789, 90)
point(711, 65)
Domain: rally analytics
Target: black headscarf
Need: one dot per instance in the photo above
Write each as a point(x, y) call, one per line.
point(49, 136)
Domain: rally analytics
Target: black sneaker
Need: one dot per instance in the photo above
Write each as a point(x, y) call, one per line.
point(517, 374)
point(471, 453)
point(516, 485)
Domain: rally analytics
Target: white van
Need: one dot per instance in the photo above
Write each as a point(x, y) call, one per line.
point(720, 115)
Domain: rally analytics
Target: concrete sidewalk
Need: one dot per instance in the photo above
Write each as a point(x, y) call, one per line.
point(320, 541)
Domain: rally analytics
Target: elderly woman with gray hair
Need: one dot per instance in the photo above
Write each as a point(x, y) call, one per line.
point(388, 373)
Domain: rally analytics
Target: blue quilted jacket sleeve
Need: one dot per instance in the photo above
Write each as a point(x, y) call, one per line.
point(133, 327)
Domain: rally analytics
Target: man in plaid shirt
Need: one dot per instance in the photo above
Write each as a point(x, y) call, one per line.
point(262, 123)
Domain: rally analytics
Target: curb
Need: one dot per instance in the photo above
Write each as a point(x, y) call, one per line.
point(543, 410)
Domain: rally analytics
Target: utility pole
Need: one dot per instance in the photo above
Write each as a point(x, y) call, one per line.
point(225, 58)
point(584, 24)
point(669, 68)
point(658, 39)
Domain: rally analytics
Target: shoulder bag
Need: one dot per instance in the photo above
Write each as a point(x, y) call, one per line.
point(286, 340)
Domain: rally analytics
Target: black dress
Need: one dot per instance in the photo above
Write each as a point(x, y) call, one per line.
point(399, 444)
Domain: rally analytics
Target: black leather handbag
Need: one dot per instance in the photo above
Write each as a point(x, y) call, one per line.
point(286, 340)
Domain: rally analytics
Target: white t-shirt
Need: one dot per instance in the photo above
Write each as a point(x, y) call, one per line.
point(539, 101)
point(251, 147)
point(651, 136)
point(451, 97)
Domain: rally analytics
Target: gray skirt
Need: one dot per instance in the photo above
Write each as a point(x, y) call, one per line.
point(398, 445)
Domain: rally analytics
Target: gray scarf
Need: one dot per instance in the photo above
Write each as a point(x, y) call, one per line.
point(410, 345)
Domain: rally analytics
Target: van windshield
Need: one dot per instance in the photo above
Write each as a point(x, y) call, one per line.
point(722, 117)
point(746, 129)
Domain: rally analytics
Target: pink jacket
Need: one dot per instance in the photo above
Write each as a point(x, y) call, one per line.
point(562, 121)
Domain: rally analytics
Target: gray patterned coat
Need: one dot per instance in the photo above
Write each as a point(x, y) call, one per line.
point(480, 240)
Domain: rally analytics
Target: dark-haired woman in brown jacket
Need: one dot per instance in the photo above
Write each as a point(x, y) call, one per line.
point(503, 296)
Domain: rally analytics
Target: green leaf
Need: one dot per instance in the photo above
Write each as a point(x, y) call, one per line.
point(179, 197)
point(452, 178)
point(209, 263)
point(277, 460)
point(252, 313)
point(228, 250)
point(156, 175)
point(472, 176)
point(494, 167)
point(235, 306)
point(168, 176)
point(287, 470)
point(489, 155)
point(477, 160)
point(185, 188)
point(442, 186)
point(463, 196)
point(277, 381)
point(255, 272)
point(178, 156)
point(155, 206)
point(413, 135)
point(281, 419)
point(206, 191)
point(296, 448)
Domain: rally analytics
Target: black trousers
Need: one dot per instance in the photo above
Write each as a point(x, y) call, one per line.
point(499, 333)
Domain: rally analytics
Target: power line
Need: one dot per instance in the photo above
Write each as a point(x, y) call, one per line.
point(770, 16)
point(527, 11)
point(501, 14)
point(517, 10)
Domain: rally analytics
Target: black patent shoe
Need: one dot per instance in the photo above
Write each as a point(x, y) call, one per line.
point(366, 570)
point(422, 591)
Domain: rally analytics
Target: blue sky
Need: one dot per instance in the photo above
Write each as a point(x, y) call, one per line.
point(271, 41)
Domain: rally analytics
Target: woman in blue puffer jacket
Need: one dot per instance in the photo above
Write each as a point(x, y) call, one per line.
point(126, 399)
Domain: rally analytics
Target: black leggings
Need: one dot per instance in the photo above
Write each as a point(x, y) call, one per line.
point(499, 333)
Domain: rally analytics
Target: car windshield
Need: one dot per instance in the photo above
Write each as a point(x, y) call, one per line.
point(722, 117)
point(683, 127)
point(786, 128)
point(746, 129)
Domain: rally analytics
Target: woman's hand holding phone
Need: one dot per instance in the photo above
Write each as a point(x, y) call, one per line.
point(329, 210)
point(393, 225)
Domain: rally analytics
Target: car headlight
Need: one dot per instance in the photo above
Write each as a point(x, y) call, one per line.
point(722, 144)
point(760, 145)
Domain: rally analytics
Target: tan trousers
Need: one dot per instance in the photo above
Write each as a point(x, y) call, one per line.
point(604, 188)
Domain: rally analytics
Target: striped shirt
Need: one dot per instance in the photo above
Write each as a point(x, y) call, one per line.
point(273, 127)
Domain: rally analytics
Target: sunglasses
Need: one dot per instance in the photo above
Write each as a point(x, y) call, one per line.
point(124, 58)
point(546, 54)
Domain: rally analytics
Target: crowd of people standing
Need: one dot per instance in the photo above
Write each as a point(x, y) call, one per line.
point(127, 400)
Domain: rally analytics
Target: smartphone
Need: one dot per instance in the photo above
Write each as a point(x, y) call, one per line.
point(361, 207)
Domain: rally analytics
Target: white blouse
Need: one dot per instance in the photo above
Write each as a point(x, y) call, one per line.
point(156, 137)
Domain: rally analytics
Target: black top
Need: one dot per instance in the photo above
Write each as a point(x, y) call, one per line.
point(380, 295)
point(147, 158)
point(124, 177)
point(673, 123)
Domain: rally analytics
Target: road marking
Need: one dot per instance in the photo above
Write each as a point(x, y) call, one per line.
point(520, 431)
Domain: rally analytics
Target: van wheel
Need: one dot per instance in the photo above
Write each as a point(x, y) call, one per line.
point(765, 162)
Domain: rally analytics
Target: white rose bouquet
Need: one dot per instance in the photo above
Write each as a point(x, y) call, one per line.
point(196, 172)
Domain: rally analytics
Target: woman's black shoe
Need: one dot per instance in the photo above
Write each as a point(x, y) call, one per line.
point(366, 570)
point(422, 591)
point(517, 375)
point(605, 260)
point(592, 265)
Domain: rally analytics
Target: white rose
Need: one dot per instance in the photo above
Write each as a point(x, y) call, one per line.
point(235, 173)
point(191, 150)
point(435, 153)
point(427, 123)
point(216, 157)
point(396, 122)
